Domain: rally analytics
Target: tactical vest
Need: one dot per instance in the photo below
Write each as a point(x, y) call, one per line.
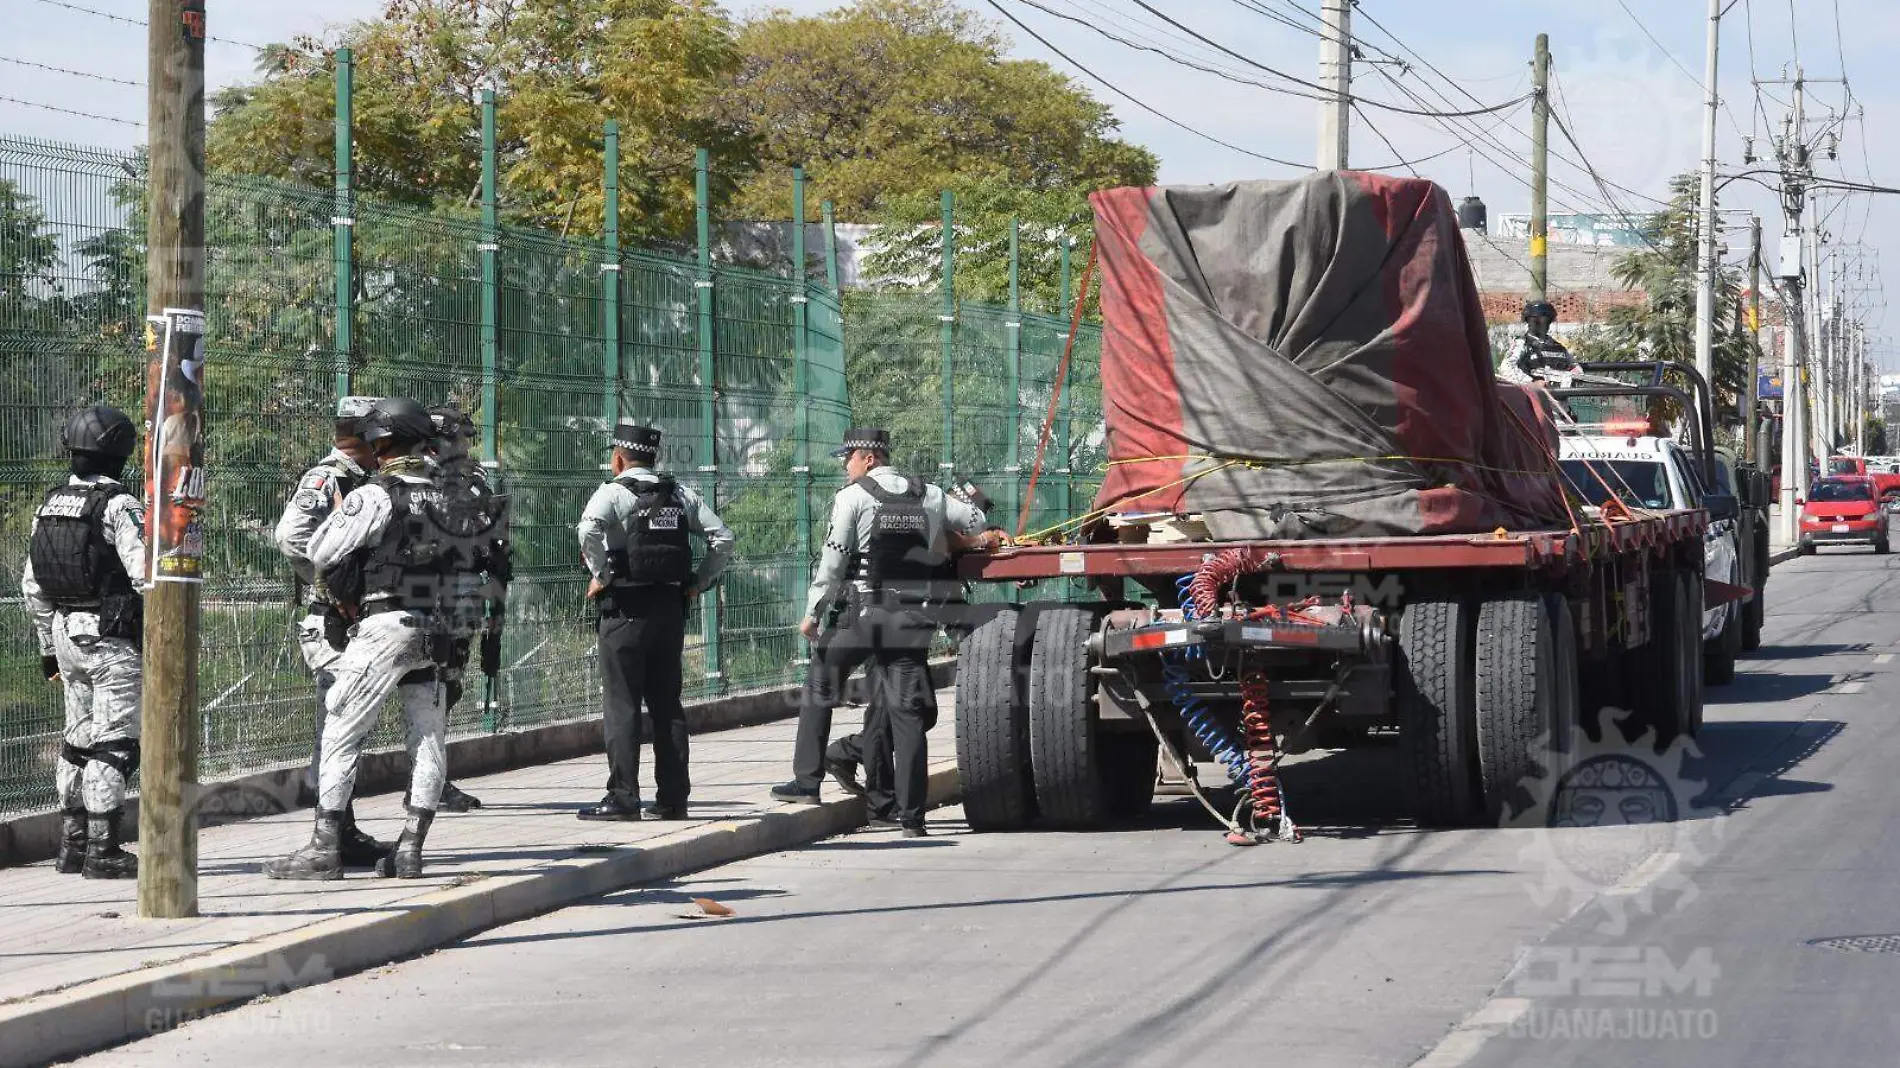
point(658, 550)
point(76, 564)
point(410, 562)
point(902, 562)
point(475, 521)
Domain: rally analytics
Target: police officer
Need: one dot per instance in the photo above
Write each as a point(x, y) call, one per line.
point(324, 632)
point(381, 557)
point(832, 663)
point(88, 545)
point(886, 553)
point(480, 567)
point(634, 538)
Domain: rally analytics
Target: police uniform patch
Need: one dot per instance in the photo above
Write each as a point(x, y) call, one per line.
point(314, 480)
point(136, 509)
point(308, 500)
point(352, 504)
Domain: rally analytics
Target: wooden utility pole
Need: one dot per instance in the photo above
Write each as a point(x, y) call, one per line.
point(1540, 176)
point(174, 274)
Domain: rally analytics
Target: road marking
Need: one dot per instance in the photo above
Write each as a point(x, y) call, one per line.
point(1493, 1018)
point(1645, 873)
point(1884, 658)
point(1845, 689)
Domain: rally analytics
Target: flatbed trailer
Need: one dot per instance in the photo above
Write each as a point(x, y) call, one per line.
point(1483, 652)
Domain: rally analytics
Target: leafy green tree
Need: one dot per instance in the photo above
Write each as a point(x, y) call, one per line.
point(1663, 326)
point(884, 98)
point(561, 68)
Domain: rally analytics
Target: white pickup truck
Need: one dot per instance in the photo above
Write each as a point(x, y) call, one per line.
point(1650, 472)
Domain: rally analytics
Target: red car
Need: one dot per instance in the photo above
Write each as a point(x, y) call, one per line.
point(1843, 509)
point(1886, 483)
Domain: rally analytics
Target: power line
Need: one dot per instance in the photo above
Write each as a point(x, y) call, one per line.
point(1131, 98)
point(1324, 93)
point(1671, 56)
point(69, 111)
point(74, 73)
point(141, 22)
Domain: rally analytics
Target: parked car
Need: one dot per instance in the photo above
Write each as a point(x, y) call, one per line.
point(1886, 482)
point(1843, 510)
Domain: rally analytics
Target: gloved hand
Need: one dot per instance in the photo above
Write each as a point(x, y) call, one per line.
point(491, 652)
point(50, 665)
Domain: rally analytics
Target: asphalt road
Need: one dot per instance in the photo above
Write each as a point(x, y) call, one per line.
point(1679, 944)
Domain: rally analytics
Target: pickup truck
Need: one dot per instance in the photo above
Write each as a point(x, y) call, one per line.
point(1648, 472)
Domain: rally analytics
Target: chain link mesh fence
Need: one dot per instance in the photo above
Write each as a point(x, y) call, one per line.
point(752, 387)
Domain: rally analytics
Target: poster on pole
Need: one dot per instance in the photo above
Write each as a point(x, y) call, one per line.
point(174, 462)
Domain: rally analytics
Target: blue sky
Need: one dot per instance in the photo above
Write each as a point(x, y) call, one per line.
point(1634, 111)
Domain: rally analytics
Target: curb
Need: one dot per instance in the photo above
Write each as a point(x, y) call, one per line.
point(91, 1016)
point(1782, 556)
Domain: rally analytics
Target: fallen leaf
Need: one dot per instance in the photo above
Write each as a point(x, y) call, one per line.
point(710, 907)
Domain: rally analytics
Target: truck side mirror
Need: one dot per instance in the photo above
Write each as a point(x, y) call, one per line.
point(1722, 506)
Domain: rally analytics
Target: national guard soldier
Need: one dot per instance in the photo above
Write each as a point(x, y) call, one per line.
point(479, 566)
point(324, 632)
point(832, 663)
point(382, 558)
point(634, 539)
point(88, 545)
point(886, 553)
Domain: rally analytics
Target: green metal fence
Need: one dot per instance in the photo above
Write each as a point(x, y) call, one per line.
point(753, 375)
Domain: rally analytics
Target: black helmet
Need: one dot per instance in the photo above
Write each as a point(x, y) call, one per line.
point(452, 423)
point(102, 429)
point(398, 419)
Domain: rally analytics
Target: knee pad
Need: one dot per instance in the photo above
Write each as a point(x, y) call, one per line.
point(121, 754)
point(76, 755)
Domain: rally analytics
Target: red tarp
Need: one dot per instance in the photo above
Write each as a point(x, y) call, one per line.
point(1309, 359)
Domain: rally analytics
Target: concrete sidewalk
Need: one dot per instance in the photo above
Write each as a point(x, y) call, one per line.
point(81, 972)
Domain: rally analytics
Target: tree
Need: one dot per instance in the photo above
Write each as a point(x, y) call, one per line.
point(561, 68)
point(890, 97)
point(1663, 326)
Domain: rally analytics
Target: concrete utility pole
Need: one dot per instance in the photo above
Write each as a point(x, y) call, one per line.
point(1792, 155)
point(1860, 389)
point(1335, 74)
point(1751, 390)
point(174, 278)
point(1540, 175)
point(1705, 216)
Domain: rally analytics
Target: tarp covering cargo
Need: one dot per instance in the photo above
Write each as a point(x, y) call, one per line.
point(1308, 359)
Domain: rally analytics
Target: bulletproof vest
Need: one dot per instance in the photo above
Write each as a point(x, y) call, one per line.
point(474, 521)
point(901, 560)
point(657, 547)
point(74, 561)
point(415, 552)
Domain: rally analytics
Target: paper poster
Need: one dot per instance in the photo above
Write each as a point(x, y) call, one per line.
point(174, 467)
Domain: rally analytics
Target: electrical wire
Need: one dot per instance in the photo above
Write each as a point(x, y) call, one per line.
point(69, 111)
point(73, 73)
point(1131, 98)
point(1671, 56)
point(141, 22)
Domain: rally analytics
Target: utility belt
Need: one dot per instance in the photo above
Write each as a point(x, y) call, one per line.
point(121, 615)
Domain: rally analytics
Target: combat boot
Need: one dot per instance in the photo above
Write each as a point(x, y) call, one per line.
point(321, 859)
point(104, 858)
point(405, 861)
point(356, 849)
point(454, 800)
point(72, 841)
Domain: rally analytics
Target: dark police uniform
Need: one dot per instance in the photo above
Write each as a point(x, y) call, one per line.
point(885, 555)
point(635, 537)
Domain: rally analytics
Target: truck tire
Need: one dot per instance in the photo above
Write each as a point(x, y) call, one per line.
point(1526, 684)
point(1129, 761)
point(1755, 612)
point(1718, 656)
point(1432, 690)
point(992, 729)
point(1064, 756)
point(1665, 673)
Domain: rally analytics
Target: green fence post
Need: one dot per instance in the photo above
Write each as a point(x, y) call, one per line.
point(491, 281)
point(1065, 314)
point(343, 221)
point(831, 252)
point(610, 287)
point(491, 312)
point(801, 367)
point(948, 317)
point(708, 404)
point(1014, 465)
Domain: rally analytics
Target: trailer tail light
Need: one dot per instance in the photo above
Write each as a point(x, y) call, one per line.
point(1157, 639)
